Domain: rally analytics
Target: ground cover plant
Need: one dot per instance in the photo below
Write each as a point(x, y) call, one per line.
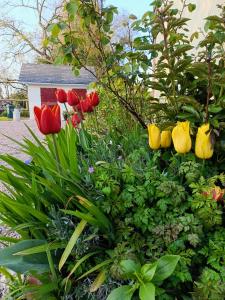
point(114, 207)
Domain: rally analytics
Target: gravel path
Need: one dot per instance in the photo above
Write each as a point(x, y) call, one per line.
point(17, 131)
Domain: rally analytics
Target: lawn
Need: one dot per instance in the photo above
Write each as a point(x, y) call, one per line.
point(5, 119)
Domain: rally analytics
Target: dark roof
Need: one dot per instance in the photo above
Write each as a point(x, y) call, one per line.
point(52, 74)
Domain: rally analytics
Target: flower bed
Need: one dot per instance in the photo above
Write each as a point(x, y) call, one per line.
point(100, 218)
point(126, 210)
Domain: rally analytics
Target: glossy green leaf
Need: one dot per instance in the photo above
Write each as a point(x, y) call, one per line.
point(124, 292)
point(72, 7)
point(147, 291)
point(148, 271)
point(129, 267)
point(165, 267)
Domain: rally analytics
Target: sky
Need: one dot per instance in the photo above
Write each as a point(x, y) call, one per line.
point(136, 7)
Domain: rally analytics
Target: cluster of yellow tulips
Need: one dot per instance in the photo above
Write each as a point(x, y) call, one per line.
point(182, 139)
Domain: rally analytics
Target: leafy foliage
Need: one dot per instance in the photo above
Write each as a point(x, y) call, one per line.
point(107, 216)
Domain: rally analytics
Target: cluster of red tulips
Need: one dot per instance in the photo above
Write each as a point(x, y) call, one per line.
point(80, 106)
point(49, 119)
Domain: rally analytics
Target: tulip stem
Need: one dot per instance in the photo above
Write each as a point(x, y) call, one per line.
point(67, 111)
point(209, 87)
point(203, 166)
point(96, 121)
point(56, 155)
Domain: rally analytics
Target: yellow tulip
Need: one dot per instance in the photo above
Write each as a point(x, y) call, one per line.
point(154, 136)
point(181, 137)
point(203, 145)
point(165, 139)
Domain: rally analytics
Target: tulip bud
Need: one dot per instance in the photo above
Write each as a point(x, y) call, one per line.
point(76, 119)
point(181, 137)
point(94, 99)
point(165, 139)
point(217, 193)
point(72, 98)
point(154, 136)
point(61, 95)
point(203, 145)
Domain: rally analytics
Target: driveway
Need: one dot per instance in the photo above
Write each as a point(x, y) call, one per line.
point(17, 131)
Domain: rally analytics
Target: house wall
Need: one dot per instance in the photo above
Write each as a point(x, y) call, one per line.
point(34, 95)
point(204, 8)
point(34, 98)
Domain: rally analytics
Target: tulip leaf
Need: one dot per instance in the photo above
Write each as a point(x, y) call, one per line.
point(79, 262)
point(41, 248)
point(98, 281)
point(95, 268)
point(77, 232)
point(10, 258)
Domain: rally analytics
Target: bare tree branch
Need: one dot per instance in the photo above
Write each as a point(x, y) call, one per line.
point(22, 42)
point(46, 11)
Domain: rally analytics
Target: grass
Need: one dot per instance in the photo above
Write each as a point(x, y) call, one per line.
point(4, 119)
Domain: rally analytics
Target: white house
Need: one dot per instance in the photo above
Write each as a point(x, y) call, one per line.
point(204, 8)
point(42, 81)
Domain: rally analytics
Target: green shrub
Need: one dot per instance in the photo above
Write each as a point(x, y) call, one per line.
point(24, 114)
point(4, 113)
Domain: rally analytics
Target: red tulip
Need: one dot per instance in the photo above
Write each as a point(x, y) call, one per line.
point(85, 106)
point(72, 98)
point(61, 95)
point(94, 98)
point(76, 119)
point(48, 119)
point(88, 105)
